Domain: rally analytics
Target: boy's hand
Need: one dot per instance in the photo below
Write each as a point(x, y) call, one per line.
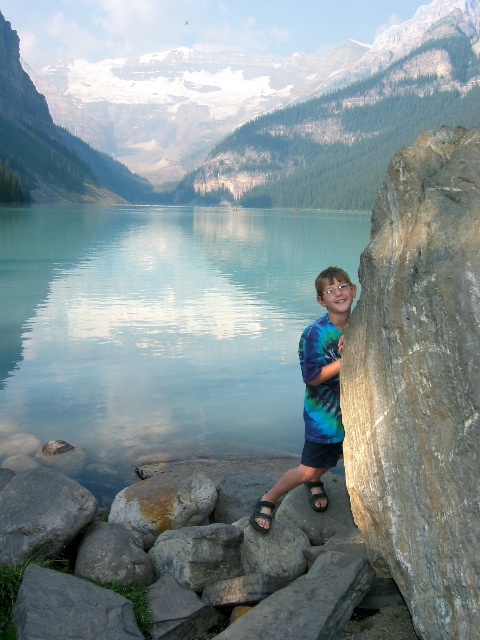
point(340, 345)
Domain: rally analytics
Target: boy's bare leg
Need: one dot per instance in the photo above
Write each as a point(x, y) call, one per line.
point(287, 482)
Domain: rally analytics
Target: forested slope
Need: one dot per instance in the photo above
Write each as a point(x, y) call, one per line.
point(333, 151)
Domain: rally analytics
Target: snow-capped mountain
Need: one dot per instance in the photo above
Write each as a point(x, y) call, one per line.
point(431, 21)
point(418, 76)
point(160, 113)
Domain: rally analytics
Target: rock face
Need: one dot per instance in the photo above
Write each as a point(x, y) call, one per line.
point(18, 96)
point(199, 556)
point(41, 511)
point(178, 612)
point(410, 382)
point(279, 554)
point(295, 509)
point(110, 552)
point(155, 505)
point(310, 607)
point(56, 605)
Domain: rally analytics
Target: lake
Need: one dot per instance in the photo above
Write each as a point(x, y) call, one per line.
point(142, 333)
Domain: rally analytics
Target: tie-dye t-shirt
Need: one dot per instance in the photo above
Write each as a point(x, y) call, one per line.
point(319, 346)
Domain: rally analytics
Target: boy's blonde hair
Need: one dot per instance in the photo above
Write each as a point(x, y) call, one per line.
point(328, 276)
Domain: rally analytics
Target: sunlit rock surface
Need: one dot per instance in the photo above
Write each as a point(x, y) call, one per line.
point(410, 382)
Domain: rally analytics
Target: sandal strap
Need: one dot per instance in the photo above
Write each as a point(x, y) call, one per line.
point(266, 503)
point(314, 483)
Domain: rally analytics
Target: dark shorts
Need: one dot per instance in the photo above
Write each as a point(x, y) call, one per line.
point(321, 456)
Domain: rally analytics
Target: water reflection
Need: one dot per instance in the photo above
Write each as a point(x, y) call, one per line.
point(145, 331)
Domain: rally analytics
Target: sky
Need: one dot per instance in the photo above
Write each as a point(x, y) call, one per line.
point(99, 29)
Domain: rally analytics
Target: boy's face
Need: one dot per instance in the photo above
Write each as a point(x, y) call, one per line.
point(337, 297)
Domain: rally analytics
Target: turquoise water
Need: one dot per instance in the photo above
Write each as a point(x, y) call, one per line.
point(145, 333)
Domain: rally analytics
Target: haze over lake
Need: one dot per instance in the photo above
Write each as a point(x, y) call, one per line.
point(147, 333)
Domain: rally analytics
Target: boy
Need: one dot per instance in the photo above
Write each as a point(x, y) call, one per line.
point(320, 350)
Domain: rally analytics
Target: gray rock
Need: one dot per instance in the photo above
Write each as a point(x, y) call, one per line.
point(19, 463)
point(244, 590)
point(158, 504)
point(71, 461)
point(238, 492)
point(5, 476)
point(318, 526)
point(355, 549)
point(349, 535)
point(279, 553)
point(317, 605)
point(411, 401)
point(41, 510)
point(56, 447)
point(178, 613)
point(56, 606)
point(110, 552)
point(383, 592)
point(199, 556)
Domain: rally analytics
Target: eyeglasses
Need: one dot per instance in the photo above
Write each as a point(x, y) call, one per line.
point(331, 290)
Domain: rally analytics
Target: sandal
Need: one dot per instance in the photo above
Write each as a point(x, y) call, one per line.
point(258, 514)
point(313, 497)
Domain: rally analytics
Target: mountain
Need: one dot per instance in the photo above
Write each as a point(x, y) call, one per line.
point(41, 162)
point(18, 97)
point(432, 21)
point(161, 113)
point(332, 151)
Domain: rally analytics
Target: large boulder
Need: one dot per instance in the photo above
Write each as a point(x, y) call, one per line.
point(279, 553)
point(57, 605)
point(316, 605)
point(62, 456)
point(199, 556)
point(238, 492)
point(110, 552)
point(160, 504)
point(319, 527)
point(244, 590)
point(383, 592)
point(41, 511)
point(411, 382)
point(178, 613)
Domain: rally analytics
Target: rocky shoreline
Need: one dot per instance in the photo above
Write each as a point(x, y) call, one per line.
point(183, 533)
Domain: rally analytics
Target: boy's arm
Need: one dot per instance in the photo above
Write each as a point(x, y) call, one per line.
point(329, 370)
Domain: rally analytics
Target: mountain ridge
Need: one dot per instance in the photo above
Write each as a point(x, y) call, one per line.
point(333, 151)
point(284, 156)
point(398, 40)
point(37, 159)
point(160, 113)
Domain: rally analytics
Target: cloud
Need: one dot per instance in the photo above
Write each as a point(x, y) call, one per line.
point(73, 40)
point(99, 29)
point(245, 35)
point(142, 26)
point(28, 45)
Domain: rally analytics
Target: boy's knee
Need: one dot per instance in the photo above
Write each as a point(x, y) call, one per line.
point(308, 473)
